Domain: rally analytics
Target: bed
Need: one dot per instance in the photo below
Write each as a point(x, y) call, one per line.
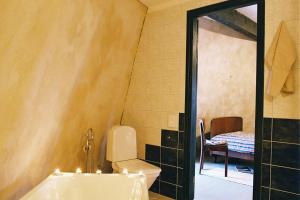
point(230, 129)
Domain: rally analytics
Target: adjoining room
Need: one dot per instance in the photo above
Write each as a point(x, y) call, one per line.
point(226, 104)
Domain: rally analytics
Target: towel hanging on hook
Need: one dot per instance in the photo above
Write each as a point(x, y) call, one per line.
point(279, 60)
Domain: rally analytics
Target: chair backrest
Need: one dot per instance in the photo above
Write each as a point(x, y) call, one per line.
point(225, 125)
point(202, 134)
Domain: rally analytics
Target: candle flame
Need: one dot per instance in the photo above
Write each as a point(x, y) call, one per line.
point(125, 171)
point(78, 170)
point(57, 171)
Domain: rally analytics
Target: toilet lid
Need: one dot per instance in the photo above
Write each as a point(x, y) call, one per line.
point(136, 166)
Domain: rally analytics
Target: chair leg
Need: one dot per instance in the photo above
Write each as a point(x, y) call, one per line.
point(201, 160)
point(200, 167)
point(202, 163)
point(215, 156)
point(226, 163)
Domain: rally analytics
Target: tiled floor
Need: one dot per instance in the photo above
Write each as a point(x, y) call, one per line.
point(209, 163)
point(154, 196)
point(218, 169)
point(206, 186)
point(212, 188)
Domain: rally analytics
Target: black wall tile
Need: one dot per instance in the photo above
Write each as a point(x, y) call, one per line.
point(169, 138)
point(169, 156)
point(267, 127)
point(180, 177)
point(181, 121)
point(180, 158)
point(155, 187)
point(286, 155)
point(285, 179)
point(286, 130)
point(154, 163)
point(265, 175)
point(168, 190)
point(283, 130)
point(181, 140)
point(180, 194)
point(153, 153)
point(278, 195)
point(264, 194)
point(283, 154)
point(266, 152)
point(168, 174)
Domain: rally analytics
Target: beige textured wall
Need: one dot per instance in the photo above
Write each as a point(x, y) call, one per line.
point(156, 92)
point(283, 106)
point(64, 67)
point(157, 89)
point(226, 74)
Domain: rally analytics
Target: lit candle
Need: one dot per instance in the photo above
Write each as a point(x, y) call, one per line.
point(78, 170)
point(57, 171)
point(125, 171)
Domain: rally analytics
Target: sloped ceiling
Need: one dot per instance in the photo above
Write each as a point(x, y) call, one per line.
point(160, 4)
point(249, 11)
point(150, 3)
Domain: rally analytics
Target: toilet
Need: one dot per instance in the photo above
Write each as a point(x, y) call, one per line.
point(122, 152)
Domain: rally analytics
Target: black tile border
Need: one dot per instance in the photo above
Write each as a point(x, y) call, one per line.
point(277, 152)
point(280, 158)
point(273, 157)
point(155, 187)
point(180, 157)
point(168, 189)
point(265, 172)
point(169, 138)
point(267, 128)
point(281, 195)
point(168, 174)
point(181, 121)
point(180, 177)
point(285, 179)
point(180, 194)
point(152, 153)
point(264, 193)
point(286, 155)
point(266, 152)
point(181, 140)
point(285, 130)
point(169, 155)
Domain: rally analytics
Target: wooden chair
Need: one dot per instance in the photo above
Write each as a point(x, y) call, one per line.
point(211, 147)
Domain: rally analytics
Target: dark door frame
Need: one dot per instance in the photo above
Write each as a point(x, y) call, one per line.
point(191, 91)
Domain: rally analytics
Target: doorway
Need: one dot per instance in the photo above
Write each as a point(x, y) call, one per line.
point(215, 13)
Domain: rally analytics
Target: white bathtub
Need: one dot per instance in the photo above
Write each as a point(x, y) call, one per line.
point(69, 186)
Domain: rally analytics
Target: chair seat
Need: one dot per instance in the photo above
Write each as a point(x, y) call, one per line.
point(216, 146)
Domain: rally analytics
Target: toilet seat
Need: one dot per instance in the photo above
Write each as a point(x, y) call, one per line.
point(136, 166)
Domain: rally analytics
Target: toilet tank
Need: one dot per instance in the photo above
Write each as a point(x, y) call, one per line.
point(121, 144)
